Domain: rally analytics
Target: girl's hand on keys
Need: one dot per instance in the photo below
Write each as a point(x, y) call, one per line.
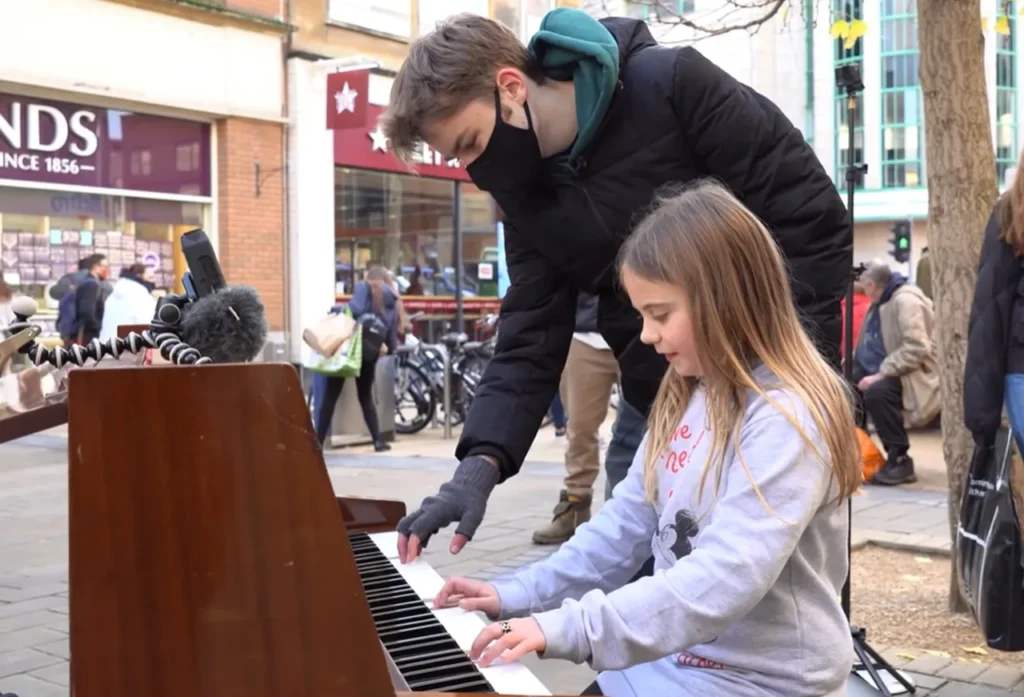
point(469, 595)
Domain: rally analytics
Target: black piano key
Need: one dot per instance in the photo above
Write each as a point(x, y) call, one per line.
point(420, 658)
point(427, 657)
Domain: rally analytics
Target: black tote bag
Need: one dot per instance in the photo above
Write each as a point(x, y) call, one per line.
point(989, 547)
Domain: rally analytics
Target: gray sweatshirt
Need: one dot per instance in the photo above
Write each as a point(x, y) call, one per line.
point(742, 603)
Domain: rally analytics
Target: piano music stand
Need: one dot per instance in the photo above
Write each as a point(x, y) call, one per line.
point(207, 553)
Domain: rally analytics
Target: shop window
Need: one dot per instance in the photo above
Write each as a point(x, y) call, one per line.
point(44, 234)
point(141, 163)
point(407, 224)
point(187, 157)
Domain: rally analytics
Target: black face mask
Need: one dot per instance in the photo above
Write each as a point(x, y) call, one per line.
point(512, 156)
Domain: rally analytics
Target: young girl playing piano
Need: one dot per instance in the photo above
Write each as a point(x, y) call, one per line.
point(738, 490)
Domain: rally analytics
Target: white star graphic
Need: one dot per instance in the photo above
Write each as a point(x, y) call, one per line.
point(380, 141)
point(345, 99)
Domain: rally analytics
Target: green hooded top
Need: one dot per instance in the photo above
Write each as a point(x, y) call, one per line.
point(572, 45)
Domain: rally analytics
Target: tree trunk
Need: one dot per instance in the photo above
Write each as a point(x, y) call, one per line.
point(962, 189)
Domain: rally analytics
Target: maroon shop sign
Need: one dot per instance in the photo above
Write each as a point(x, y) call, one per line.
point(358, 140)
point(60, 143)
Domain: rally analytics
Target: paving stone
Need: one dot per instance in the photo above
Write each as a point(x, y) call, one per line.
point(60, 648)
point(28, 686)
point(962, 689)
point(897, 657)
point(928, 664)
point(497, 544)
point(27, 606)
point(487, 532)
point(38, 618)
point(58, 674)
point(61, 625)
point(24, 660)
point(999, 676)
point(963, 671)
point(31, 591)
point(27, 638)
point(925, 681)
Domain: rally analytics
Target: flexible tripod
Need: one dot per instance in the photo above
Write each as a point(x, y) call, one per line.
point(848, 79)
point(163, 335)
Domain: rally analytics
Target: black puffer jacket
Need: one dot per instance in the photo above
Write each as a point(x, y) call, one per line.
point(675, 117)
point(586, 313)
point(995, 334)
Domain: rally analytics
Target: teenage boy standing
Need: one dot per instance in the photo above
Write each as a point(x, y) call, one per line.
point(574, 136)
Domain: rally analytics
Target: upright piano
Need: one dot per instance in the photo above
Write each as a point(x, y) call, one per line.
point(209, 556)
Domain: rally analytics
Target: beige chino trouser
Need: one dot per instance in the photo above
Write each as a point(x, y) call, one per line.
point(586, 389)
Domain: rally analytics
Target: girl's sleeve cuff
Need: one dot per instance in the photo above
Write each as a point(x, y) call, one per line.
point(564, 633)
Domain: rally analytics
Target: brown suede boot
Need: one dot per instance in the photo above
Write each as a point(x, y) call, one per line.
point(570, 513)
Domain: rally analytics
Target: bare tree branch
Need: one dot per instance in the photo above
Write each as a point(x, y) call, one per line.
point(733, 16)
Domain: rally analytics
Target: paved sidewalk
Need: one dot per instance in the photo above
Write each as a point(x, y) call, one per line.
point(33, 554)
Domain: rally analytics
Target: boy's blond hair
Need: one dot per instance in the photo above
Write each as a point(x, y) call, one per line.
point(446, 70)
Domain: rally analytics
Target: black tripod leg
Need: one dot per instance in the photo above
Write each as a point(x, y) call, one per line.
point(865, 661)
point(885, 665)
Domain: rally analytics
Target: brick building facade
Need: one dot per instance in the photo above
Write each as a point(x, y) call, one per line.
point(251, 224)
point(180, 125)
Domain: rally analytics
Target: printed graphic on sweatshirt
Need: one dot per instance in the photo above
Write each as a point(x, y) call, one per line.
point(678, 535)
point(688, 660)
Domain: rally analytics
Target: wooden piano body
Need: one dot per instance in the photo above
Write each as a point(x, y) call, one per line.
point(208, 557)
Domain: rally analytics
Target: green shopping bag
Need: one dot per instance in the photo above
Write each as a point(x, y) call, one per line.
point(347, 361)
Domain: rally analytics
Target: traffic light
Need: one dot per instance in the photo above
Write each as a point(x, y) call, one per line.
point(899, 243)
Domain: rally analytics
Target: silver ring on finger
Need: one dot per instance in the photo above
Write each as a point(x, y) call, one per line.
point(506, 628)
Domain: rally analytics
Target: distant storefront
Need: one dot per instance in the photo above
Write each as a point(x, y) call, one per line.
point(76, 180)
point(423, 226)
point(120, 151)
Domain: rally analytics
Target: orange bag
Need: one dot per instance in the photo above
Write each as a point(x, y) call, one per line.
point(871, 458)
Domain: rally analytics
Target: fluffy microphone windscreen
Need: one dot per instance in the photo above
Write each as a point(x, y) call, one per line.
point(229, 326)
point(24, 306)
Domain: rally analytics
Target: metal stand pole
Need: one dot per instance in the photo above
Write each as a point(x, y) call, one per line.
point(867, 656)
point(447, 396)
point(457, 255)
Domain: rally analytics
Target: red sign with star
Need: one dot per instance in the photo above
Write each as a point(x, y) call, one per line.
point(367, 148)
point(348, 99)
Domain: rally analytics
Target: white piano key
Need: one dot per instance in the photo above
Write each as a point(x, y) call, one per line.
point(421, 577)
point(506, 678)
point(462, 626)
point(387, 543)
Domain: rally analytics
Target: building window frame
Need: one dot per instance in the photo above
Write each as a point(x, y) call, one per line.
point(1004, 126)
point(848, 10)
point(649, 12)
point(902, 114)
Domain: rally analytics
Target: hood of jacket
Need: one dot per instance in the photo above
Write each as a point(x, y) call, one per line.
point(572, 45)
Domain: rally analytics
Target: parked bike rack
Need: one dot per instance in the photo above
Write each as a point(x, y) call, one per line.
point(447, 388)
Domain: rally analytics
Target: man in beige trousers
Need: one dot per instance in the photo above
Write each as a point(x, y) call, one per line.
point(586, 388)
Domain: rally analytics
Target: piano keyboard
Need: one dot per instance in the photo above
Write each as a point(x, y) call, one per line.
point(427, 646)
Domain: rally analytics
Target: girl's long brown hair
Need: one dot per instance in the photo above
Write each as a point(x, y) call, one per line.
point(377, 277)
point(1011, 211)
point(735, 281)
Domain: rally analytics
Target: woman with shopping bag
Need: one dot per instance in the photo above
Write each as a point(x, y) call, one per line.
point(374, 309)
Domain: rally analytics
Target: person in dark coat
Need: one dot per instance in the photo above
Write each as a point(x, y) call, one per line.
point(994, 367)
point(374, 307)
point(575, 136)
